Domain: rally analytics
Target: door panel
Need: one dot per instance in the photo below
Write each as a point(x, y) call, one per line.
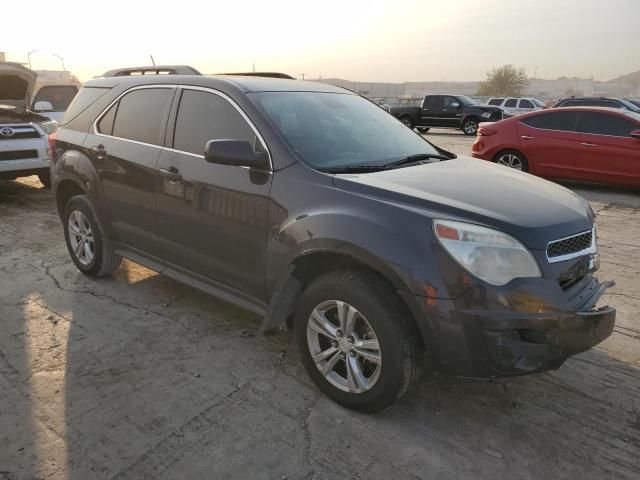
point(549, 141)
point(432, 114)
point(609, 159)
point(213, 219)
point(125, 152)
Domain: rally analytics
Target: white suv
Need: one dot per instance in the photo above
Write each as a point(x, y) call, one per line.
point(517, 105)
point(23, 133)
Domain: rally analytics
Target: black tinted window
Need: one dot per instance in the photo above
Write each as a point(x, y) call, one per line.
point(85, 97)
point(496, 101)
point(451, 102)
point(141, 115)
point(572, 103)
point(604, 124)
point(435, 103)
point(511, 103)
point(60, 96)
point(526, 104)
point(204, 116)
point(105, 125)
point(564, 121)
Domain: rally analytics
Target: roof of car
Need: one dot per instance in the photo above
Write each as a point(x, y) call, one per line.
point(618, 111)
point(244, 83)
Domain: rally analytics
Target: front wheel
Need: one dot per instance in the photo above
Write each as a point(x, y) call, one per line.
point(85, 239)
point(512, 159)
point(356, 340)
point(470, 126)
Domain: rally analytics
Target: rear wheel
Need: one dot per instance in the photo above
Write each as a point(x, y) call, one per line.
point(423, 129)
point(407, 121)
point(356, 340)
point(512, 159)
point(85, 239)
point(470, 126)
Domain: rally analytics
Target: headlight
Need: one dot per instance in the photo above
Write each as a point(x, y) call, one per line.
point(489, 254)
point(49, 126)
point(486, 115)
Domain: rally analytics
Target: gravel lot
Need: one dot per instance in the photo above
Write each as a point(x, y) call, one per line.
point(137, 376)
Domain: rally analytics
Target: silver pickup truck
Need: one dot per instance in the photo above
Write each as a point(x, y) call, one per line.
point(23, 133)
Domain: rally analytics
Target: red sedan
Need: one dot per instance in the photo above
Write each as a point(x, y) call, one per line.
point(578, 143)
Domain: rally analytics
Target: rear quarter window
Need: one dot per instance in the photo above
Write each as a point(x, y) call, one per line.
point(84, 98)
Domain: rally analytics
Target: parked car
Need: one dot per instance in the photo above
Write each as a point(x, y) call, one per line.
point(517, 105)
point(455, 111)
point(312, 207)
point(577, 143)
point(52, 100)
point(23, 134)
point(597, 102)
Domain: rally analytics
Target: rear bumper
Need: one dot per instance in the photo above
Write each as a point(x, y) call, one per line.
point(530, 326)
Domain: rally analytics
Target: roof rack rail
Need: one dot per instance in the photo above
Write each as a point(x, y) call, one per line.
point(261, 74)
point(152, 70)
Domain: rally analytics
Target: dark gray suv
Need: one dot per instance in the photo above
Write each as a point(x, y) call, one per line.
point(314, 208)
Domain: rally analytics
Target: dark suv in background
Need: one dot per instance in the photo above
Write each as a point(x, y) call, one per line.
point(597, 102)
point(312, 207)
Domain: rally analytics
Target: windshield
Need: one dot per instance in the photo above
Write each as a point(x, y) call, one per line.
point(59, 96)
point(538, 103)
point(467, 100)
point(630, 106)
point(329, 130)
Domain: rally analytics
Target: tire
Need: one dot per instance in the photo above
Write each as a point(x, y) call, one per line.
point(45, 179)
point(470, 126)
point(512, 159)
point(407, 121)
point(96, 260)
point(379, 316)
point(423, 129)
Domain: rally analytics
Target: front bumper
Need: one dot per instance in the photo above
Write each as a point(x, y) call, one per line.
point(530, 325)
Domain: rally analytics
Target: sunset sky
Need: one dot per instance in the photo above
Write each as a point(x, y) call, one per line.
point(402, 40)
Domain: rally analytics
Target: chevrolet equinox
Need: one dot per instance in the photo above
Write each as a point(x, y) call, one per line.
point(312, 207)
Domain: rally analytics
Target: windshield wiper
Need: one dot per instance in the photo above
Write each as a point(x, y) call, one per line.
point(354, 169)
point(416, 158)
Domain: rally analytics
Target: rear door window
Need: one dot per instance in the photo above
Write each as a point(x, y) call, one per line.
point(141, 115)
point(561, 121)
point(435, 103)
point(204, 116)
point(597, 123)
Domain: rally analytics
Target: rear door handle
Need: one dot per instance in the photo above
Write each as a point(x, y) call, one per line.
point(172, 174)
point(585, 144)
point(526, 137)
point(99, 151)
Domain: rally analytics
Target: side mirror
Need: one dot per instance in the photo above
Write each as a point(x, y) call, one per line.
point(43, 106)
point(238, 153)
point(635, 134)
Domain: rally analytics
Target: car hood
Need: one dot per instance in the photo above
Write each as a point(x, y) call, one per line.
point(16, 85)
point(533, 210)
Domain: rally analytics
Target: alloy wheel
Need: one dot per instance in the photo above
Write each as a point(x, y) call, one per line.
point(344, 346)
point(470, 127)
point(510, 160)
point(81, 237)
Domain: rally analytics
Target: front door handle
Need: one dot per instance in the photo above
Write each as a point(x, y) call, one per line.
point(585, 144)
point(526, 137)
point(172, 174)
point(99, 151)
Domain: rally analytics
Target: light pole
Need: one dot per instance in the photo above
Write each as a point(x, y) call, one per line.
point(61, 59)
point(29, 57)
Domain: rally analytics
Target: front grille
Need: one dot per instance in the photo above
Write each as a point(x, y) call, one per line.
point(19, 132)
point(570, 245)
point(18, 155)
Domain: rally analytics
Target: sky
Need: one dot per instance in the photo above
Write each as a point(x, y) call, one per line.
point(375, 40)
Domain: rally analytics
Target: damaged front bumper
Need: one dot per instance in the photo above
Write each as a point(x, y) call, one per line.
point(531, 325)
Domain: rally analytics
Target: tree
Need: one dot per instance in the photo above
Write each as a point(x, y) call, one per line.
point(505, 81)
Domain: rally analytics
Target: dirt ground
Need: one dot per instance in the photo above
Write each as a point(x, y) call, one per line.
point(139, 377)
